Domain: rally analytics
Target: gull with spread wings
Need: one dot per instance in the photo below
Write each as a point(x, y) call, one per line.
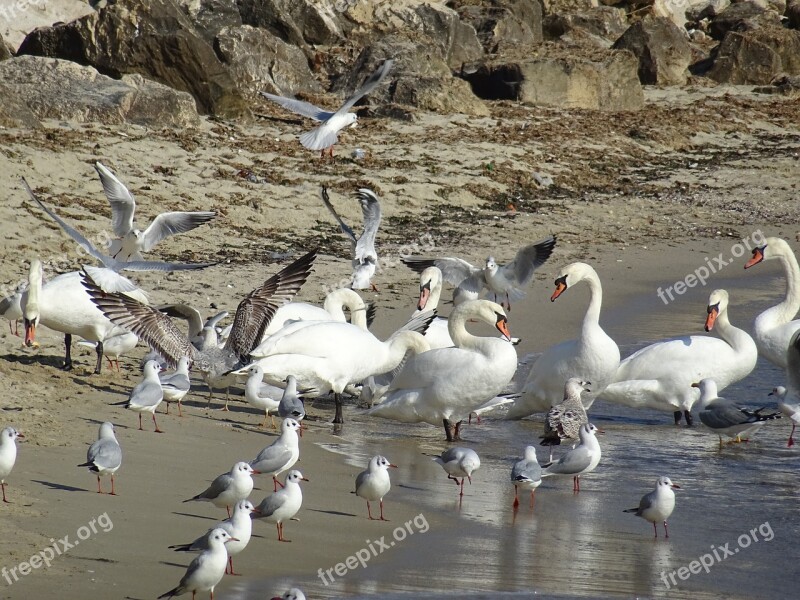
point(131, 242)
point(502, 280)
point(326, 134)
point(365, 258)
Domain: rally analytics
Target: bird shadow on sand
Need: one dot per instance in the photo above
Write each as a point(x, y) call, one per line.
point(45, 360)
point(335, 513)
point(59, 486)
point(183, 514)
point(104, 387)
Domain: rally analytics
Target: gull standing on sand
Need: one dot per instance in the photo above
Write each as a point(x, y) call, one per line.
point(229, 488)
point(283, 504)
point(281, 454)
point(292, 594)
point(11, 308)
point(508, 280)
point(657, 505)
point(207, 570)
point(215, 364)
point(131, 242)
point(104, 456)
point(8, 454)
point(147, 394)
point(725, 417)
point(582, 459)
point(260, 395)
point(459, 462)
point(526, 474)
point(325, 135)
point(365, 258)
point(564, 420)
point(239, 526)
point(374, 483)
point(176, 385)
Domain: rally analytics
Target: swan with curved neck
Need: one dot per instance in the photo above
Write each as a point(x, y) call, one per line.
point(660, 376)
point(593, 356)
point(332, 310)
point(774, 327)
point(430, 292)
point(446, 384)
point(329, 355)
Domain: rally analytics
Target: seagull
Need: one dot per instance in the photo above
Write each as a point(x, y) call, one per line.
point(292, 594)
point(215, 364)
point(8, 454)
point(788, 408)
point(104, 456)
point(147, 394)
point(373, 484)
point(526, 474)
point(207, 570)
point(281, 454)
point(789, 399)
point(261, 395)
point(459, 462)
point(176, 385)
point(11, 308)
point(291, 405)
point(658, 504)
point(239, 526)
point(365, 258)
point(229, 488)
point(283, 504)
point(325, 135)
point(202, 334)
point(582, 459)
point(504, 280)
point(131, 242)
point(564, 420)
point(725, 417)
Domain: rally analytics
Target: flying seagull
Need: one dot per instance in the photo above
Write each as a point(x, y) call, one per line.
point(131, 242)
point(365, 258)
point(325, 135)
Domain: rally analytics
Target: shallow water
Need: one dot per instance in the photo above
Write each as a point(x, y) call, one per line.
point(584, 545)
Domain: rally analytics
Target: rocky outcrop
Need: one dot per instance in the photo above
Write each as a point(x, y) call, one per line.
point(568, 82)
point(662, 49)
point(505, 24)
point(793, 14)
point(13, 111)
point(299, 22)
point(757, 56)
point(155, 39)
point(5, 52)
point(741, 16)
point(603, 22)
point(58, 89)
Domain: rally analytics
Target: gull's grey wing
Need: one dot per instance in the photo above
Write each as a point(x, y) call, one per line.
point(176, 381)
point(146, 394)
point(361, 479)
point(305, 109)
point(110, 281)
point(793, 364)
point(370, 84)
point(270, 504)
point(105, 454)
point(219, 485)
point(343, 226)
point(152, 326)
point(646, 502)
point(526, 469)
point(123, 206)
point(528, 259)
point(271, 458)
point(573, 461)
point(371, 211)
point(451, 454)
point(454, 270)
point(187, 312)
point(170, 223)
point(720, 414)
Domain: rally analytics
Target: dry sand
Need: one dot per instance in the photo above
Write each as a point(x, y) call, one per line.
point(645, 197)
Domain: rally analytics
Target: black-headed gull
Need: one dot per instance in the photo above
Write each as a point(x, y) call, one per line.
point(292, 594)
point(229, 488)
point(374, 483)
point(459, 462)
point(281, 454)
point(8, 454)
point(526, 474)
point(326, 134)
point(207, 570)
point(658, 505)
point(104, 456)
point(582, 459)
point(283, 504)
point(147, 394)
point(176, 384)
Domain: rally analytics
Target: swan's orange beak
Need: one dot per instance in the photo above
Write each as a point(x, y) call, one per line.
point(713, 311)
point(424, 294)
point(30, 333)
point(758, 256)
point(502, 327)
point(561, 285)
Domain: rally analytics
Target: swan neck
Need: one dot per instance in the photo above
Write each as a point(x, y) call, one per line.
point(592, 317)
point(457, 328)
point(787, 309)
point(34, 291)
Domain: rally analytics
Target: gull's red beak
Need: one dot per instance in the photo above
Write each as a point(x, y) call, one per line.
point(394, 466)
point(758, 256)
point(676, 486)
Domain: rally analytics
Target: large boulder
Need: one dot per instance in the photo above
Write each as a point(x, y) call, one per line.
point(59, 89)
point(757, 56)
point(793, 14)
point(505, 24)
point(19, 17)
point(155, 39)
point(552, 7)
point(260, 61)
point(662, 49)
point(610, 84)
point(13, 110)
point(604, 22)
point(299, 22)
point(741, 16)
point(212, 16)
point(5, 52)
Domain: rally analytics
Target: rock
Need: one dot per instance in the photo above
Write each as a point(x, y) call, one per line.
point(299, 22)
point(59, 89)
point(5, 51)
point(567, 82)
point(19, 17)
point(604, 21)
point(13, 111)
point(260, 61)
point(155, 39)
point(757, 56)
point(505, 24)
point(782, 85)
point(662, 49)
point(793, 14)
point(739, 16)
point(552, 7)
point(212, 16)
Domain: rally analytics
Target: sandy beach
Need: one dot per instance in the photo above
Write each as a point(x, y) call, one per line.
point(645, 198)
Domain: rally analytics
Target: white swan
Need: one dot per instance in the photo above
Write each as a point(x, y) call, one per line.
point(660, 376)
point(63, 305)
point(593, 356)
point(329, 355)
point(430, 291)
point(447, 384)
point(774, 327)
point(332, 310)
